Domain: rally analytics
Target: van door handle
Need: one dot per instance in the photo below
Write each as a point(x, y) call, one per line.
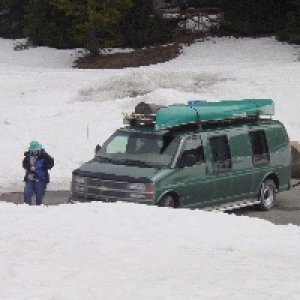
point(207, 169)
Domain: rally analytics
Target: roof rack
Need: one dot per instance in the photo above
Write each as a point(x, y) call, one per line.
point(200, 113)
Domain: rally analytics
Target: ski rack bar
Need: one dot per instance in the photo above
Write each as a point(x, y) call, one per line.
point(229, 122)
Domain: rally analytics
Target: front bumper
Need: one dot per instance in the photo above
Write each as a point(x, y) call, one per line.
point(74, 199)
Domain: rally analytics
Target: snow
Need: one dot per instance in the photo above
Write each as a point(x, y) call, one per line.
point(127, 251)
point(69, 111)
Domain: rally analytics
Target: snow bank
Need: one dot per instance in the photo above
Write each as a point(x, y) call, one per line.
point(127, 251)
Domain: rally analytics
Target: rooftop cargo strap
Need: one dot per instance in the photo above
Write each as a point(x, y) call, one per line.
point(178, 115)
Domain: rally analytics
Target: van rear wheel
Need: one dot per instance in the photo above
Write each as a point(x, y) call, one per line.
point(267, 194)
point(167, 201)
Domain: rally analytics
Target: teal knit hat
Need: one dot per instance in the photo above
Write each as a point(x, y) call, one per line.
point(35, 146)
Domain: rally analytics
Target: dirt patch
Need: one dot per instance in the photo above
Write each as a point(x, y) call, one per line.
point(138, 57)
point(296, 159)
point(51, 198)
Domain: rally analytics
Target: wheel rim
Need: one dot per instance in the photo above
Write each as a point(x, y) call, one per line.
point(268, 196)
point(169, 201)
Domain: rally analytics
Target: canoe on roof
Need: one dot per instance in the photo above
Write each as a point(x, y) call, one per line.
point(177, 115)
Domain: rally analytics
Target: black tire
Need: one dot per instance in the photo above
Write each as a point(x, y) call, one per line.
point(267, 195)
point(167, 201)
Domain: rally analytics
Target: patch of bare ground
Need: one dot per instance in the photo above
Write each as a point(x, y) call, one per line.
point(138, 57)
point(295, 147)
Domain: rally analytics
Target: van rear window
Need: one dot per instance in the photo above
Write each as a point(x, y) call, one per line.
point(260, 151)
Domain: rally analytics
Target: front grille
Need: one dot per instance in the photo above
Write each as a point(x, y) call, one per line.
point(108, 184)
point(105, 189)
point(108, 190)
point(117, 185)
point(93, 182)
point(93, 192)
point(114, 194)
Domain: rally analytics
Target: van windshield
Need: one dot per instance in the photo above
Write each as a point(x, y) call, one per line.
point(139, 148)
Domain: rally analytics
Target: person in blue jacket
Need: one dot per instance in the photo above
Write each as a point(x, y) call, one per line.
point(36, 162)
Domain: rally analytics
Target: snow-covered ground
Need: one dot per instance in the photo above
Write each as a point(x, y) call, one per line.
point(70, 111)
point(126, 251)
point(133, 252)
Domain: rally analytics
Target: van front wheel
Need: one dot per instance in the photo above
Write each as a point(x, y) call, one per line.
point(167, 201)
point(267, 194)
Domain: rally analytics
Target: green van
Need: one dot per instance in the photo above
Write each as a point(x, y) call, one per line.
point(213, 155)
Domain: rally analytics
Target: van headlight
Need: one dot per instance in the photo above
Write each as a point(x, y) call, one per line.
point(141, 191)
point(78, 180)
point(78, 184)
point(139, 187)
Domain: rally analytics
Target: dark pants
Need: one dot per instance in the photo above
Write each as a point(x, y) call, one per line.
point(38, 188)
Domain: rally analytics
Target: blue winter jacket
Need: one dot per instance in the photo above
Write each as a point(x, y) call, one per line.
point(43, 163)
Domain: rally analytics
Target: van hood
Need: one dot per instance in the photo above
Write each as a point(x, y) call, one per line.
point(117, 172)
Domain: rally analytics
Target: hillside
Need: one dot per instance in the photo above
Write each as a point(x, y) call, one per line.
point(70, 111)
point(123, 251)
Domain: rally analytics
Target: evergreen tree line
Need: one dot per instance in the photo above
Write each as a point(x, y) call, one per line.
point(262, 17)
point(91, 24)
point(94, 24)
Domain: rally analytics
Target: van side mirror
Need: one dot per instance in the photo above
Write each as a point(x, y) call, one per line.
point(187, 160)
point(97, 148)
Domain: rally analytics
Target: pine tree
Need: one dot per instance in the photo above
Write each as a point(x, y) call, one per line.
point(294, 17)
point(291, 31)
point(142, 26)
point(95, 21)
point(11, 18)
point(45, 25)
point(254, 17)
point(202, 3)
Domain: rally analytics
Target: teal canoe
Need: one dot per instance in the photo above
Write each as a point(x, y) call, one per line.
point(178, 115)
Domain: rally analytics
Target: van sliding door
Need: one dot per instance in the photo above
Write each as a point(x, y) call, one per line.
point(242, 168)
point(220, 168)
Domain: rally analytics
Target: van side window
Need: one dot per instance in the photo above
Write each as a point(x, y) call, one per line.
point(260, 151)
point(193, 145)
point(221, 157)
